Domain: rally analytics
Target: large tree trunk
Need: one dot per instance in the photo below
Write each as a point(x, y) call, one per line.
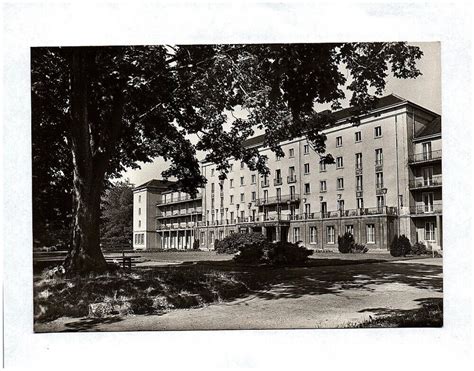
point(90, 164)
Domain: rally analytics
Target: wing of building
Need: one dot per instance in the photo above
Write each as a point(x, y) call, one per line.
point(387, 180)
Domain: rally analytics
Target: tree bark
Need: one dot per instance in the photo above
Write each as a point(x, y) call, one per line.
point(85, 255)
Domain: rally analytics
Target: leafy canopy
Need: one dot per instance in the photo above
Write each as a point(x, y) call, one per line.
point(170, 94)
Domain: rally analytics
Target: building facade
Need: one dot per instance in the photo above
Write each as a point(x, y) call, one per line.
point(386, 180)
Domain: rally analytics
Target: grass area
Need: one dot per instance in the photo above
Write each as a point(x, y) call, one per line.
point(429, 314)
point(143, 291)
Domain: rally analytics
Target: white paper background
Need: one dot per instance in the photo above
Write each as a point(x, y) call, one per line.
point(38, 24)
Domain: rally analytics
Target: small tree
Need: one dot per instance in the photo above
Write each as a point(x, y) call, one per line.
point(345, 243)
point(400, 246)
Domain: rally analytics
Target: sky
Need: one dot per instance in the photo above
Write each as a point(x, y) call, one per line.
point(424, 91)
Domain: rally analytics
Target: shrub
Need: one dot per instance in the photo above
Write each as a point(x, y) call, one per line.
point(419, 248)
point(232, 243)
point(345, 243)
point(196, 245)
point(359, 248)
point(250, 253)
point(216, 242)
point(282, 253)
point(400, 246)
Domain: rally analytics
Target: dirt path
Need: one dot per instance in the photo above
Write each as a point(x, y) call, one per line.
point(315, 298)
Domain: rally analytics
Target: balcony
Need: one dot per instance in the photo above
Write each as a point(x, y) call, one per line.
point(423, 209)
point(291, 179)
point(383, 210)
point(358, 170)
point(278, 200)
point(265, 183)
point(174, 226)
point(182, 198)
point(278, 181)
point(425, 157)
point(179, 213)
point(425, 183)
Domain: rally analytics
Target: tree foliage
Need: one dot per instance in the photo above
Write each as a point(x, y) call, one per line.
point(117, 216)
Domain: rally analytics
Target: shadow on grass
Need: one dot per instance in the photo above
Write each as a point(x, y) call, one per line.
point(429, 313)
point(86, 324)
point(155, 290)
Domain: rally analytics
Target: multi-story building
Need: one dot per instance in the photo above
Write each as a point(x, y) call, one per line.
point(386, 180)
point(145, 198)
point(177, 215)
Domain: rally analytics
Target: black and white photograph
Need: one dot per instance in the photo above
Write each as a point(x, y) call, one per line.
point(290, 186)
point(236, 185)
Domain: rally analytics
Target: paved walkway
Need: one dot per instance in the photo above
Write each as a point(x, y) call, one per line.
point(321, 297)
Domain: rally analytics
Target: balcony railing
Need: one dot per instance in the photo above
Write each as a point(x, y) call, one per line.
point(425, 157)
point(378, 165)
point(358, 170)
point(420, 183)
point(182, 225)
point(278, 199)
point(178, 213)
point(265, 183)
point(277, 181)
point(291, 179)
point(182, 198)
point(422, 209)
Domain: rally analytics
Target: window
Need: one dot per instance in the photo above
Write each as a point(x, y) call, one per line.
point(292, 152)
point(307, 188)
point(292, 192)
point(242, 164)
point(265, 195)
point(340, 205)
point(222, 201)
point(358, 160)
point(296, 234)
point(242, 197)
point(241, 180)
point(378, 131)
point(339, 162)
point(429, 231)
point(426, 151)
point(322, 186)
point(350, 229)
point(379, 180)
point(322, 166)
point(330, 234)
point(340, 183)
point(212, 172)
point(358, 136)
point(254, 178)
point(211, 237)
point(324, 209)
point(139, 211)
point(380, 201)
point(139, 224)
point(428, 202)
point(203, 236)
point(213, 186)
point(307, 210)
point(360, 203)
point(378, 156)
point(359, 182)
point(231, 199)
point(291, 174)
point(242, 214)
point(221, 235)
point(254, 196)
point(306, 149)
point(231, 183)
point(338, 141)
point(306, 168)
point(277, 158)
point(140, 198)
point(278, 191)
point(313, 233)
point(212, 203)
point(231, 167)
point(231, 216)
point(370, 233)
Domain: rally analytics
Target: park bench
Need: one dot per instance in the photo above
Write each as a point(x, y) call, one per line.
point(43, 259)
